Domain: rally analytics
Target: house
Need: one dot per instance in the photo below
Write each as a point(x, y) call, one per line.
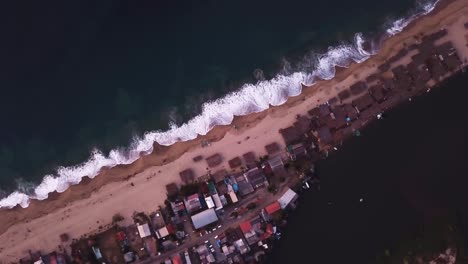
point(302, 124)
point(245, 188)
point(219, 176)
point(144, 230)
point(290, 135)
point(350, 111)
point(235, 162)
point(324, 135)
point(377, 92)
point(172, 189)
point(343, 95)
point(287, 198)
point(272, 148)
point(252, 230)
point(214, 160)
point(162, 232)
point(192, 203)
point(297, 151)
point(273, 208)
point(209, 202)
point(358, 88)
point(217, 201)
point(204, 218)
point(324, 110)
point(158, 220)
point(233, 196)
point(187, 176)
point(249, 159)
point(363, 102)
point(241, 185)
point(256, 177)
point(276, 163)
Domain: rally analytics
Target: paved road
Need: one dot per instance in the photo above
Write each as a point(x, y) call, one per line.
point(267, 198)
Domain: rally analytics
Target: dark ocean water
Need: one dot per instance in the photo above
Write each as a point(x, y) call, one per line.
point(93, 75)
point(410, 169)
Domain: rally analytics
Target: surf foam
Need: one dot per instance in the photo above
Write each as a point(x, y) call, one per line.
point(250, 98)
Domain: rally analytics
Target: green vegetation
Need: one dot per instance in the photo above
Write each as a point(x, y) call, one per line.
point(117, 218)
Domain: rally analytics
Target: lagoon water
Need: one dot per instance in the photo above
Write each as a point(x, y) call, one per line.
point(409, 169)
point(95, 76)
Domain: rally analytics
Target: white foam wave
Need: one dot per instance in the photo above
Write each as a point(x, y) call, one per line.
point(250, 98)
point(423, 8)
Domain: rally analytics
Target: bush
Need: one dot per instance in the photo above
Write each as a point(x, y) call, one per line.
point(117, 218)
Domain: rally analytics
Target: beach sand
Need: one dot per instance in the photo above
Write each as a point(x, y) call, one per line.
point(83, 208)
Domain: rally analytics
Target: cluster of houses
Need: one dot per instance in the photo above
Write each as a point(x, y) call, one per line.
point(330, 123)
point(203, 204)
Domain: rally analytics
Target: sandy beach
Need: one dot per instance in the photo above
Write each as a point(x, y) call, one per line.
point(84, 208)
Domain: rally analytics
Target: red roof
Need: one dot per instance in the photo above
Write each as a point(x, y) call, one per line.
point(176, 259)
point(245, 227)
point(273, 208)
point(121, 236)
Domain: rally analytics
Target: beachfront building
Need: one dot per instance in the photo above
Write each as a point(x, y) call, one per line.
point(192, 203)
point(204, 218)
point(256, 178)
point(287, 198)
point(297, 151)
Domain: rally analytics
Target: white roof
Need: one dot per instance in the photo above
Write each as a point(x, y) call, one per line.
point(204, 218)
point(209, 202)
point(162, 232)
point(144, 230)
point(233, 197)
point(287, 197)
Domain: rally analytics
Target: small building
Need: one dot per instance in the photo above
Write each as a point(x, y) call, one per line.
point(192, 203)
point(290, 135)
point(172, 189)
point(343, 95)
point(377, 92)
point(217, 201)
point(272, 148)
point(209, 202)
point(204, 218)
point(350, 111)
point(187, 176)
point(358, 88)
point(245, 188)
point(273, 208)
point(235, 163)
point(297, 151)
point(249, 159)
point(162, 232)
point(219, 176)
point(144, 230)
point(233, 196)
point(363, 102)
point(276, 163)
point(302, 124)
point(214, 160)
point(256, 177)
point(287, 198)
point(324, 135)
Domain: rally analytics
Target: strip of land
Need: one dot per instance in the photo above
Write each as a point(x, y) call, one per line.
point(412, 65)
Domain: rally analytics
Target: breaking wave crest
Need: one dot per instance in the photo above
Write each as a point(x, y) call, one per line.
point(250, 98)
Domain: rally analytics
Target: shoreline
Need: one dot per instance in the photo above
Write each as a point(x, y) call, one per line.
point(116, 179)
point(343, 54)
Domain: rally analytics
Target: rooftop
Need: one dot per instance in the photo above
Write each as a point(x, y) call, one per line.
point(204, 218)
point(214, 160)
